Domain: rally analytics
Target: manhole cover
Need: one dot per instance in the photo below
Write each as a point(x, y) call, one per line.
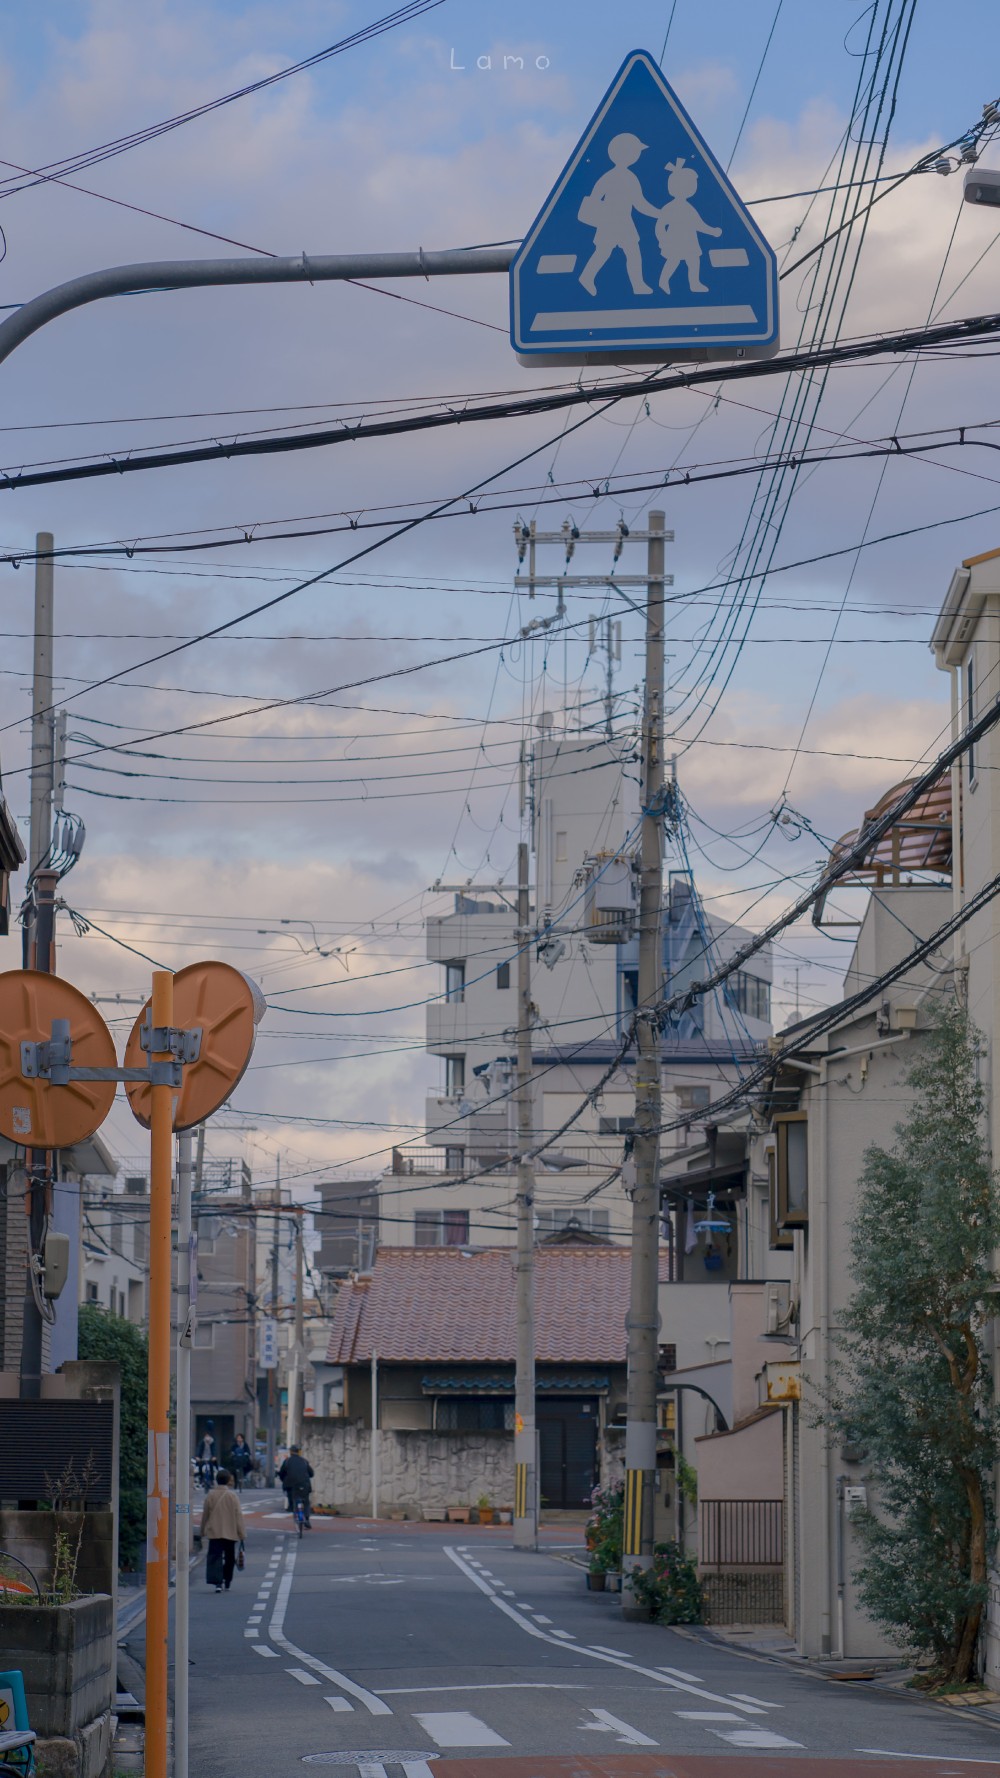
point(368, 1756)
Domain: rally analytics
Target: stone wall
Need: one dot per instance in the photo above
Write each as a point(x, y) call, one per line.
point(419, 1472)
point(67, 1656)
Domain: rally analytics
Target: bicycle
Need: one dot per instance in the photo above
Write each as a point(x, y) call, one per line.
point(301, 1518)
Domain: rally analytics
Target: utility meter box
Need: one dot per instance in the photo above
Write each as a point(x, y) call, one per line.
point(56, 1263)
point(609, 906)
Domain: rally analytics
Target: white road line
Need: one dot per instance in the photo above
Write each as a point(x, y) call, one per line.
point(508, 1592)
point(748, 1698)
point(509, 1685)
point(249, 1634)
point(563, 1635)
point(339, 1704)
point(627, 1736)
point(270, 1654)
point(679, 1673)
point(458, 1728)
point(708, 1715)
point(539, 1619)
point(600, 1649)
point(370, 1768)
point(954, 1759)
point(302, 1676)
point(754, 1738)
point(276, 1633)
point(417, 1768)
point(696, 1689)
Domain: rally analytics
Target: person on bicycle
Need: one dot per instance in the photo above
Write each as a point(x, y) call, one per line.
point(297, 1474)
point(240, 1462)
point(206, 1456)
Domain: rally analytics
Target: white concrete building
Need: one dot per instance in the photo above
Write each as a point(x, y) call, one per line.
point(584, 824)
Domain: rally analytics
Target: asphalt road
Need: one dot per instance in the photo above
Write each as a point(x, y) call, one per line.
point(397, 1645)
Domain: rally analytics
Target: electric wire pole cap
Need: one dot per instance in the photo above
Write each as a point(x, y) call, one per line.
point(643, 251)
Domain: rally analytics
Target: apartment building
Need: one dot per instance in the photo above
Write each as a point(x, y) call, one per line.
point(584, 824)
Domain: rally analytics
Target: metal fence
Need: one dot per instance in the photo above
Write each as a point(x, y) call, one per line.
point(741, 1533)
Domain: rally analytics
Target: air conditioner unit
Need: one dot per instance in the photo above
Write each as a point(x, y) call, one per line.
point(777, 1300)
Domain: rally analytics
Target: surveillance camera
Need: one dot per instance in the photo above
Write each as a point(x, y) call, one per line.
point(982, 186)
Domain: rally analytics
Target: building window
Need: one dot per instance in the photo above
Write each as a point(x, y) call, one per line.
point(970, 708)
point(474, 1414)
point(454, 1076)
point(204, 1333)
point(792, 1170)
point(560, 847)
point(441, 1228)
point(615, 1126)
point(693, 1098)
point(92, 1296)
point(629, 989)
point(454, 982)
point(554, 1222)
point(454, 1160)
point(750, 995)
point(503, 975)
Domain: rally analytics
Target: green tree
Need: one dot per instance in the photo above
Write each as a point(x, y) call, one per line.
point(913, 1384)
point(111, 1337)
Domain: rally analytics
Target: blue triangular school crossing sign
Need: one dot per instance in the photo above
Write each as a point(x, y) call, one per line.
point(642, 249)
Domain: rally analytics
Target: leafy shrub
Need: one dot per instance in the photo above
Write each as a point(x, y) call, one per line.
point(605, 1528)
point(670, 1588)
point(104, 1336)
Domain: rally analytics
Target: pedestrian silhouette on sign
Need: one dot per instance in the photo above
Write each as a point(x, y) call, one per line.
point(608, 210)
point(678, 227)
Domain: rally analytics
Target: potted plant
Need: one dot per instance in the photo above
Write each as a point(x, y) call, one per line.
point(484, 1509)
point(604, 1534)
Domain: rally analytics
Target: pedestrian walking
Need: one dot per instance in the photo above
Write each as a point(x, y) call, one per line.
point(222, 1523)
point(240, 1462)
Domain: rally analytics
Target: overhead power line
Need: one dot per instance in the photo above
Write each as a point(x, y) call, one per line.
point(946, 334)
point(75, 163)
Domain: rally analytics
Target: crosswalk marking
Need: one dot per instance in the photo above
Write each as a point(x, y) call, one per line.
point(303, 1677)
point(458, 1728)
point(754, 1738)
point(339, 1703)
point(606, 1724)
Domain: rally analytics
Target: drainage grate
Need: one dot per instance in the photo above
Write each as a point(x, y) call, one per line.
point(368, 1756)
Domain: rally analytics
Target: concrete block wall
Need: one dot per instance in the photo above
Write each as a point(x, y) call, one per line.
point(419, 1472)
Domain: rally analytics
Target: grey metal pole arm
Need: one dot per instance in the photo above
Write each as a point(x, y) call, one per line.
point(193, 274)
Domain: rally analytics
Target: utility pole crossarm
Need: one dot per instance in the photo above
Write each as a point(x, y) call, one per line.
point(199, 274)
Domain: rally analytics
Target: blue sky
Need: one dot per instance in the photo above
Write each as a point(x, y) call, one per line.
point(391, 146)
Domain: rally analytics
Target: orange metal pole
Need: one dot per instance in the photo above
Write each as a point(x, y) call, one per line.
point(158, 1482)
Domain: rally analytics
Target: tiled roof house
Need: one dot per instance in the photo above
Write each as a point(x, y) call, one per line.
point(441, 1323)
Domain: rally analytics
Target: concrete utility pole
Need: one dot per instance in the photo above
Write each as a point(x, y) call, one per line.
point(39, 937)
point(182, 1486)
point(643, 1315)
point(272, 1375)
point(296, 1391)
point(525, 1452)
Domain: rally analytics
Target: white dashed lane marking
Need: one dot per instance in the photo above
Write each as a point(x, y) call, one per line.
point(303, 1677)
point(339, 1704)
point(270, 1654)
